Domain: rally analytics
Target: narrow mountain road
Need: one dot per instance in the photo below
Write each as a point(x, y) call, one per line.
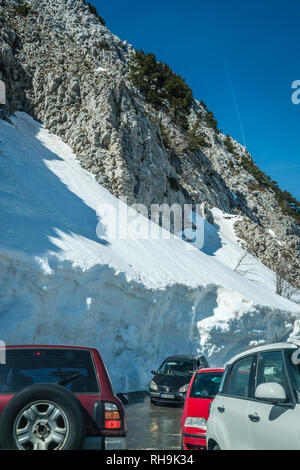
point(153, 427)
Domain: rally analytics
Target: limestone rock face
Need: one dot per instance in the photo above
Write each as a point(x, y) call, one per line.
point(66, 69)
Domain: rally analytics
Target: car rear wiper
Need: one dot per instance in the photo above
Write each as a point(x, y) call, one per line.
point(69, 379)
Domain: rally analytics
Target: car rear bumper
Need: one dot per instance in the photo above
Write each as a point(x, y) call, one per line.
point(105, 443)
point(194, 441)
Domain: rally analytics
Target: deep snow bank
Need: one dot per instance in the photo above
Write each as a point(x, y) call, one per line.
point(136, 300)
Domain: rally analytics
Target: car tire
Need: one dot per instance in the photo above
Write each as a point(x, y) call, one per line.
point(216, 447)
point(43, 417)
point(181, 443)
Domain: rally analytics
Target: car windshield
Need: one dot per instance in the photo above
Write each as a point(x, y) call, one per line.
point(206, 385)
point(177, 367)
point(294, 372)
point(25, 367)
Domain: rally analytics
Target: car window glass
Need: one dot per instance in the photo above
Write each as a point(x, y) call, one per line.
point(224, 379)
point(271, 368)
point(294, 372)
point(25, 367)
point(202, 363)
point(239, 378)
point(206, 385)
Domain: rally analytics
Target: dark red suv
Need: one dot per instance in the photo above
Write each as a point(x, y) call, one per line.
point(58, 398)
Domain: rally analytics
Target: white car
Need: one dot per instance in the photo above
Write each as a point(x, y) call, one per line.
point(258, 404)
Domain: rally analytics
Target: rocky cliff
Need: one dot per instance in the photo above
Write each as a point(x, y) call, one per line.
point(64, 67)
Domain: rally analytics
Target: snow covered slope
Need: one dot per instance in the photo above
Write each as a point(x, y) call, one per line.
point(65, 279)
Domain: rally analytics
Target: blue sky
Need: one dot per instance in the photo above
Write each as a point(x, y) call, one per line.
point(240, 57)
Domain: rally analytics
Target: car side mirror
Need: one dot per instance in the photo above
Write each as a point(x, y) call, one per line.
point(153, 372)
point(123, 397)
point(270, 391)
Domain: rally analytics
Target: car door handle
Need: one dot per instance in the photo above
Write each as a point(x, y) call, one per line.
point(254, 418)
point(221, 409)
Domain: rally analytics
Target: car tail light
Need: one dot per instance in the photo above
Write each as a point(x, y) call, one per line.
point(112, 418)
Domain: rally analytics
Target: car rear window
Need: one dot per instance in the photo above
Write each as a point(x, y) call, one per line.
point(206, 385)
point(25, 367)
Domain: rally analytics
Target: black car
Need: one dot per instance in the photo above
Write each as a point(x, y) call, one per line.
point(171, 380)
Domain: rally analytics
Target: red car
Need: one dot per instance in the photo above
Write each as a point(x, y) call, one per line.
point(58, 398)
point(201, 392)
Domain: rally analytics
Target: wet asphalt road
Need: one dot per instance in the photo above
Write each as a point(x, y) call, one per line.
point(155, 427)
